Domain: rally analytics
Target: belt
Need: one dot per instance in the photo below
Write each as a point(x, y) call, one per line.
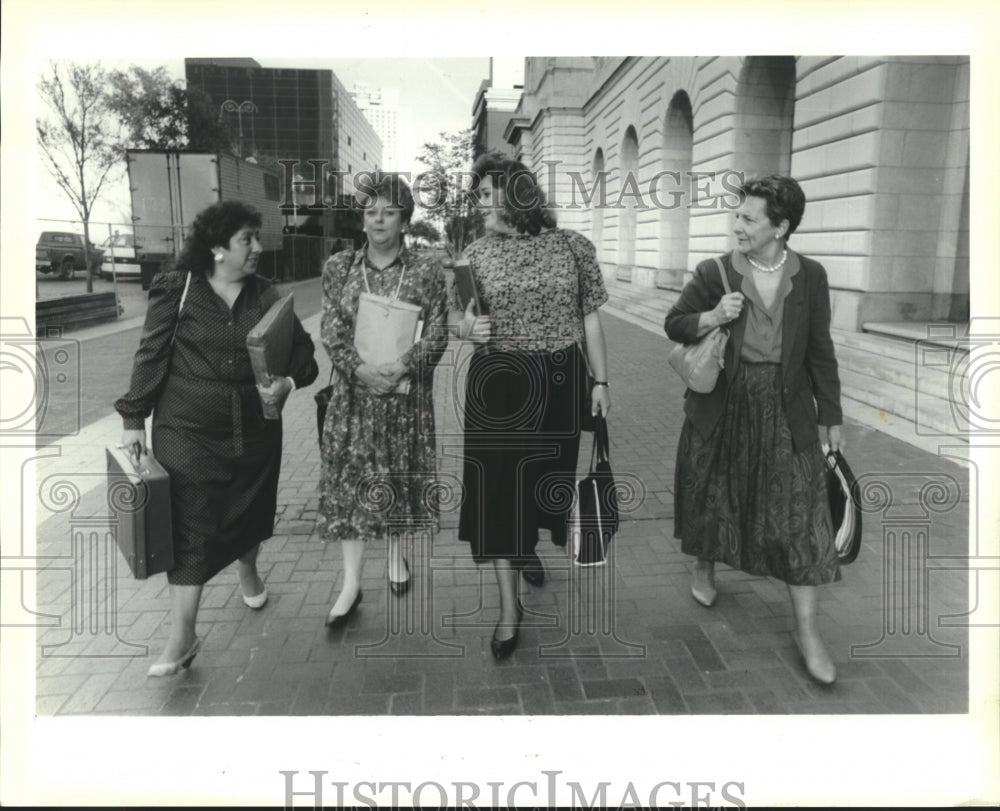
point(236, 392)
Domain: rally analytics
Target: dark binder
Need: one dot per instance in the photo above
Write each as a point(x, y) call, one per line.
point(465, 283)
point(139, 502)
point(270, 346)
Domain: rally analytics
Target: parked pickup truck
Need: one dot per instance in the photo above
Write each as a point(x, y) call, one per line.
point(62, 252)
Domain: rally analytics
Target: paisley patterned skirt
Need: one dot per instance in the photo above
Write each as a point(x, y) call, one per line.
point(744, 497)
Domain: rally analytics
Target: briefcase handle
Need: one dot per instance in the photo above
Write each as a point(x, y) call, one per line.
point(135, 457)
point(601, 450)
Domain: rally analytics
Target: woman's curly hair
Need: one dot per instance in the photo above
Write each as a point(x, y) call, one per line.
point(524, 204)
point(212, 227)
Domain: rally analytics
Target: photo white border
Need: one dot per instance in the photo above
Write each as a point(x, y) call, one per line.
point(830, 760)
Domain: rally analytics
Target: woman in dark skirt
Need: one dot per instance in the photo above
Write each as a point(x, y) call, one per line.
point(542, 288)
point(192, 371)
point(750, 481)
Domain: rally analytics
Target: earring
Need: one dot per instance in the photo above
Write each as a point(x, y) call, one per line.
point(219, 257)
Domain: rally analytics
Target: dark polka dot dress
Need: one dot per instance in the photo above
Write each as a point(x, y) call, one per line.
point(209, 430)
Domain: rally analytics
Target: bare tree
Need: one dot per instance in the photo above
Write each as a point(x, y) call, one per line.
point(77, 141)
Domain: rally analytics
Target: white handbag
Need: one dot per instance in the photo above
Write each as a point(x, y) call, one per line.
point(699, 364)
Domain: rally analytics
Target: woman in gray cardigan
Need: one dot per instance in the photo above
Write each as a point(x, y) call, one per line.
point(750, 481)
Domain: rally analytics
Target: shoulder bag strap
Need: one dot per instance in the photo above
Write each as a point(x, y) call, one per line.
point(180, 307)
point(725, 284)
point(723, 274)
point(576, 264)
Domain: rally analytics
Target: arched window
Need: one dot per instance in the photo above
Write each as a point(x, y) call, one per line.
point(765, 103)
point(628, 202)
point(673, 190)
point(598, 204)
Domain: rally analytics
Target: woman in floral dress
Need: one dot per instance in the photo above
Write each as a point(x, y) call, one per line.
point(378, 457)
point(542, 287)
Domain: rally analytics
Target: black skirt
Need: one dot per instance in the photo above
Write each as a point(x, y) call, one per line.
point(223, 484)
point(745, 497)
point(522, 436)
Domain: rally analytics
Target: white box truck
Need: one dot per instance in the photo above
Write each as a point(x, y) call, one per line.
point(169, 188)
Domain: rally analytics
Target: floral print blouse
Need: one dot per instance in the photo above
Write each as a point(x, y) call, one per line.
point(537, 289)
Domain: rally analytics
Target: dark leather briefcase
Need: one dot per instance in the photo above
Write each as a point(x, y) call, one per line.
point(139, 498)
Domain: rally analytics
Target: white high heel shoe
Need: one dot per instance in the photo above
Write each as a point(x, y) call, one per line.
point(173, 668)
point(257, 601)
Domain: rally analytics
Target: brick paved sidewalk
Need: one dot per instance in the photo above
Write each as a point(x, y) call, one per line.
point(624, 639)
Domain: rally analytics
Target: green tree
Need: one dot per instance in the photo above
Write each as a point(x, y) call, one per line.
point(423, 230)
point(77, 138)
point(444, 191)
point(158, 112)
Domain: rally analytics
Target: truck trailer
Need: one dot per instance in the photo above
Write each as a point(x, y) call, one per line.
point(169, 188)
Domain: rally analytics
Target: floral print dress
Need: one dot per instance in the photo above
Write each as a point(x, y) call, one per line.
point(379, 460)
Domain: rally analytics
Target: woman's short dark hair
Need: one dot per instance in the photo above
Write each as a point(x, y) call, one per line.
point(783, 195)
point(386, 186)
point(524, 205)
point(212, 227)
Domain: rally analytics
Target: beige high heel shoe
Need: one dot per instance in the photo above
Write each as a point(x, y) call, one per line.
point(820, 669)
point(704, 595)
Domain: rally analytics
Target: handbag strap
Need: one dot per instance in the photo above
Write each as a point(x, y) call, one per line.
point(725, 284)
point(601, 450)
point(180, 307)
point(724, 275)
point(576, 264)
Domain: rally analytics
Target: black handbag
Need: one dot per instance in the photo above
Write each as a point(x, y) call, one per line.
point(845, 506)
point(595, 521)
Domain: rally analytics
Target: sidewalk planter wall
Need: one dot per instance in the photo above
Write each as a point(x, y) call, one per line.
point(74, 312)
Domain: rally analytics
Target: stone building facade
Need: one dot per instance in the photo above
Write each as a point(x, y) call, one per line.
point(879, 144)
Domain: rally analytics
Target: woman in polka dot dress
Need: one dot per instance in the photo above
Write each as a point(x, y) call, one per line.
point(192, 372)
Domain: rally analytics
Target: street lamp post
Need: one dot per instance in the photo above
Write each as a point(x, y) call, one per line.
point(230, 106)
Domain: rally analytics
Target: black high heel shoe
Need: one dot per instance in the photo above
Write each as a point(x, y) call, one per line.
point(502, 648)
point(534, 573)
point(399, 588)
point(336, 620)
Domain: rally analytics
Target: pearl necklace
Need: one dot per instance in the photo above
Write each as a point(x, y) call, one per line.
point(773, 268)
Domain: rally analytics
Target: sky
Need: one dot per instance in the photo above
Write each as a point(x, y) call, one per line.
point(439, 93)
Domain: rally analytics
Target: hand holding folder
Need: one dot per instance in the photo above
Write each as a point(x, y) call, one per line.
point(269, 345)
point(465, 284)
point(385, 330)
